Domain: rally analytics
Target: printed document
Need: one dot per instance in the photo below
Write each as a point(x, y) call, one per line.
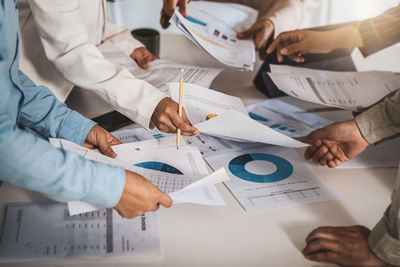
point(160, 72)
point(200, 102)
point(270, 177)
point(213, 27)
point(169, 169)
point(235, 126)
point(46, 231)
point(207, 145)
point(348, 90)
point(286, 118)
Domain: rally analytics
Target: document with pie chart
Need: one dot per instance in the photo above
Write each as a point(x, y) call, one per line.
point(271, 177)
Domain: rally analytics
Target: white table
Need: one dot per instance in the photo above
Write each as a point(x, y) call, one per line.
point(195, 235)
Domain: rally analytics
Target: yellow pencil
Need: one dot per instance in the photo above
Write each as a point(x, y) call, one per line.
point(178, 131)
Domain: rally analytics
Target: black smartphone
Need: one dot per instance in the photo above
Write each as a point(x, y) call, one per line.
point(112, 121)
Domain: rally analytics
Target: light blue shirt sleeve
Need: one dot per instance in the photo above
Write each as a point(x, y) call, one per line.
point(44, 114)
point(31, 162)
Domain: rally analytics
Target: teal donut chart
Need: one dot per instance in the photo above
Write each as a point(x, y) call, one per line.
point(283, 168)
point(158, 166)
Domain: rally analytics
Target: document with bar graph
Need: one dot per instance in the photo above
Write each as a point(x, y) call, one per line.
point(348, 90)
point(46, 231)
point(213, 27)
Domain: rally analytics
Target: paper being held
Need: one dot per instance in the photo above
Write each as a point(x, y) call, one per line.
point(200, 101)
point(153, 167)
point(348, 90)
point(236, 126)
point(213, 27)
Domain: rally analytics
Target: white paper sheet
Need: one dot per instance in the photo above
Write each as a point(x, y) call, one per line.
point(160, 72)
point(208, 145)
point(46, 231)
point(199, 101)
point(168, 168)
point(271, 177)
point(286, 118)
point(349, 90)
point(236, 126)
point(213, 27)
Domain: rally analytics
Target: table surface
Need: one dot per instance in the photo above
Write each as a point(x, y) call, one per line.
point(196, 235)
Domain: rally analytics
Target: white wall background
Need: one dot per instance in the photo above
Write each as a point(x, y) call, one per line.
point(146, 13)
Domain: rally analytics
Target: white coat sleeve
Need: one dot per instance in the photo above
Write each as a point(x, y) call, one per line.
point(289, 14)
point(66, 44)
point(121, 37)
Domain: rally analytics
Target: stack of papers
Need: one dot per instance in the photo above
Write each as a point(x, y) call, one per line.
point(160, 72)
point(232, 121)
point(213, 27)
point(174, 171)
point(348, 90)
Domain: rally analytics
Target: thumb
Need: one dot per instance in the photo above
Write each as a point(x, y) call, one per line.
point(304, 139)
point(249, 32)
point(293, 49)
point(165, 200)
point(105, 147)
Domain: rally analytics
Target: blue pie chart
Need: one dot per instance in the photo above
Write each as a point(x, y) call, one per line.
point(283, 168)
point(158, 166)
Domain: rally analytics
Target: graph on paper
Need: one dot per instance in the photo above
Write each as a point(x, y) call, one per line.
point(270, 177)
point(45, 231)
point(286, 118)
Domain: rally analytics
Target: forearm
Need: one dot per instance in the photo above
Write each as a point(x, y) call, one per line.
point(380, 32)
point(81, 62)
point(381, 121)
point(344, 37)
point(44, 114)
point(32, 163)
point(121, 37)
point(384, 239)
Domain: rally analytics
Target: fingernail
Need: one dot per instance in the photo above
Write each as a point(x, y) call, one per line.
point(284, 51)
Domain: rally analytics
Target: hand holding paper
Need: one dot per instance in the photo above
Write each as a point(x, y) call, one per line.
point(232, 120)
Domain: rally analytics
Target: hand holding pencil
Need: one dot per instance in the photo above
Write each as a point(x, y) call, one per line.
point(169, 117)
point(178, 131)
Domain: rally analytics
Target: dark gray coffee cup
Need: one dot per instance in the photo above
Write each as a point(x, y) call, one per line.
point(150, 38)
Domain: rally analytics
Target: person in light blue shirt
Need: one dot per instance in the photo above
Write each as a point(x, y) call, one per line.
point(29, 114)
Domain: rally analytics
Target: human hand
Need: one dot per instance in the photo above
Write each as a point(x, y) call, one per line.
point(296, 43)
point(140, 196)
point(169, 8)
point(346, 246)
point(261, 31)
point(101, 139)
point(142, 56)
point(335, 144)
point(166, 118)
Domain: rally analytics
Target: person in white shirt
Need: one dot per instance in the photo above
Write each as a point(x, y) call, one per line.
point(58, 50)
point(275, 16)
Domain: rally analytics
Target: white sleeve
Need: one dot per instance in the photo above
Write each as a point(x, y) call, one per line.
point(66, 44)
point(121, 37)
point(289, 14)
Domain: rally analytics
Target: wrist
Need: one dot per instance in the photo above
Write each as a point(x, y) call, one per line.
point(346, 37)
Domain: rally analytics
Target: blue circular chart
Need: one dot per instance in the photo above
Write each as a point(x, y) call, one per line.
point(158, 166)
point(283, 168)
